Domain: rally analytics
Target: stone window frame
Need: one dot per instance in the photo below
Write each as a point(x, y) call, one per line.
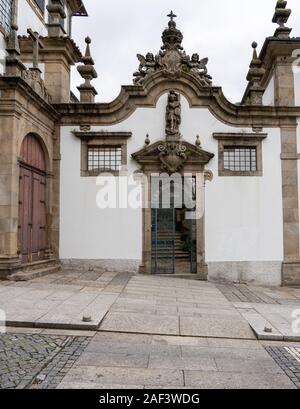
point(98, 139)
point(241, 140)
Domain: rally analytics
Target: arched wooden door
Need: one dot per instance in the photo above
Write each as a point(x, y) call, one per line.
point(32, 235)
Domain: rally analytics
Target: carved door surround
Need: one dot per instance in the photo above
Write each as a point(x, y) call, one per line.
point(174, 157)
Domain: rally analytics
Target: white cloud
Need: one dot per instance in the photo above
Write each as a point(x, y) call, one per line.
point(222, 30)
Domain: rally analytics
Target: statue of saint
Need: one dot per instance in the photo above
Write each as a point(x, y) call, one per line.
point(173, 114)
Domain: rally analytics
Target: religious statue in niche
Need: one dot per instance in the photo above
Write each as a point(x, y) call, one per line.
point(173, 114)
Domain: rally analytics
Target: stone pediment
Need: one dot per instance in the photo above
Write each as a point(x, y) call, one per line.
point(172, 156)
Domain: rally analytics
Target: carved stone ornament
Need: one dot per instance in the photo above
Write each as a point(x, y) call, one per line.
point(33, 77)
point(172, 59)
point(173, 115)
point(172, 156)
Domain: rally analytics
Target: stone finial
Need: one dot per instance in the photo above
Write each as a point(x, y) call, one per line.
point(147, 140)
point(56, 17)
point(88, 72)
point(281, 17)
point(255, 74)
point(198, 142)
point(14, 67)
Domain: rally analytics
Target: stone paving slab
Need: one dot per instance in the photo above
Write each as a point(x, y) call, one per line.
point(279, 318)
point(141, 323)
point(177, 362)
point(151, 305)
point(113, 358)
point(236, 380)
point(39, 304)
point(124, 376)
point(215, 327)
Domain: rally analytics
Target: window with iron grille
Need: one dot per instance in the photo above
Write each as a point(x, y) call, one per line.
point(40, 4)
point(5, 14)
point(240, 159)
point(104, 158)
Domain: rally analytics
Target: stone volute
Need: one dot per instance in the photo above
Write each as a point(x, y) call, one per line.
point(88, 72)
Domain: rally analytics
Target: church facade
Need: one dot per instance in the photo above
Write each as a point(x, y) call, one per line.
point(169, 178)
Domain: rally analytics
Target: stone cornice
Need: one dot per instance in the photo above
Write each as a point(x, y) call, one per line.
point(90, 135)
point(18, 84)
point(272, 49)
point(53, 45)
point(147, 95)
point(230, 136)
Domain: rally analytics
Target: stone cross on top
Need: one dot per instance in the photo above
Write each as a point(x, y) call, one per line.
point(37, 44)
point(172, 15)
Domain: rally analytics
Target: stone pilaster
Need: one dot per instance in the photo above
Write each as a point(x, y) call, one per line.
point(284, 82)
point(289, 156)
point(9, 186)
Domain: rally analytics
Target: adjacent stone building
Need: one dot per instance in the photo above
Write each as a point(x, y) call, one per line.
point(237, 164)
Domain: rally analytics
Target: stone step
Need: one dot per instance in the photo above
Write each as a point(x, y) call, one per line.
point(28, 274)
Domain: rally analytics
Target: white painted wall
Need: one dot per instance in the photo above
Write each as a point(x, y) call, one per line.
point(243, 214)
point(297, 86)
point(2, 54)
point(27, 18)
point(269, 95)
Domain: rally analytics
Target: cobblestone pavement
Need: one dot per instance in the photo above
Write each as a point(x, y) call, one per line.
point(261, 295)
point(36, 361)
point(288, 358)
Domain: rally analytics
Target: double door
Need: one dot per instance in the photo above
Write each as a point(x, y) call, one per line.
point(32, 234)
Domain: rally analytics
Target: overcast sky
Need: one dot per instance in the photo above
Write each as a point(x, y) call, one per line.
point(221, 30)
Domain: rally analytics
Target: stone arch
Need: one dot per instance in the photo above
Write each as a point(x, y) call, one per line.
point(35, 140)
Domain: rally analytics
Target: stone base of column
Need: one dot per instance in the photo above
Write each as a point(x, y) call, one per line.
point(291, 273)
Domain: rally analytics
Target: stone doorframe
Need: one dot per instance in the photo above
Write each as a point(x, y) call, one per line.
point(151, 165)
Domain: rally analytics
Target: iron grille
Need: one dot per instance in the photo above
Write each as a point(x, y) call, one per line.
point(40, 4)
point(240, 159)
point(104, 158)
point(5, 14)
